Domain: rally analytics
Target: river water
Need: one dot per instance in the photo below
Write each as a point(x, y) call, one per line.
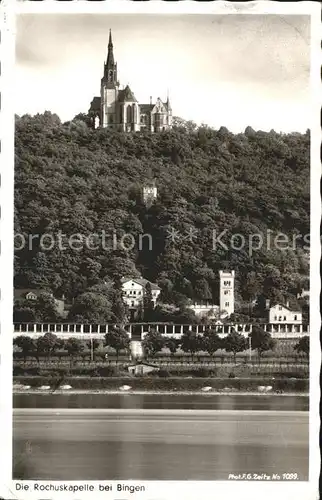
point(158, 437)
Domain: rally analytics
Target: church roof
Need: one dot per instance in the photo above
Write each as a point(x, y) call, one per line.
point(96, 104)
point(146, 108)
point(126, 95)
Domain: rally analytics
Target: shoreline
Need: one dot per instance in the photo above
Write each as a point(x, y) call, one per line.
point(156, 393)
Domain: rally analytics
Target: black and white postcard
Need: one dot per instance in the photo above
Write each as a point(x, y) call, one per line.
point(160, 246)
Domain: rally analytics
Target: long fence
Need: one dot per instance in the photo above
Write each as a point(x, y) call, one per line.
point(137, 331)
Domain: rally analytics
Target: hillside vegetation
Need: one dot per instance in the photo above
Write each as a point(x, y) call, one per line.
point(71, 179)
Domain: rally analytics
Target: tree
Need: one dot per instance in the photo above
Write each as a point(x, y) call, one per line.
point(212, 341)
point(234, 342)
point(118, 339)
point(93, 345)
point(191, 342)
point(261, 340)
point(43, 309)
point(73, 346)
point(26, 344)
point(172, 345)
point(24, 312)
point(48, 344)
point(119, 308)
point(90, 307)
point(303, 345)
point(153, 342)
point(148, 304)
point(46, 308)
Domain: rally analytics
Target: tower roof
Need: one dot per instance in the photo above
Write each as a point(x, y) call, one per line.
point(110, 54)
point(126, 95)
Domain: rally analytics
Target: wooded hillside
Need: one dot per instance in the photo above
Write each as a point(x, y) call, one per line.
point(72, 179)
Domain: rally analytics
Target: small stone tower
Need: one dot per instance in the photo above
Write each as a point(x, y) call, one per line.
point(150, 193)
point(226, 292)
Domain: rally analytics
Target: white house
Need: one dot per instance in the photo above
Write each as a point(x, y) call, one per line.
point(205, 309)
point(134, 290)
point(283, 314)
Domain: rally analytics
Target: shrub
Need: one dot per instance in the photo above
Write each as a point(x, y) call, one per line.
point(202, 373)
point(107, 371)
point(163, 373)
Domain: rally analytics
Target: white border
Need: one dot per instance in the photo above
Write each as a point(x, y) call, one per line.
point(165, 489)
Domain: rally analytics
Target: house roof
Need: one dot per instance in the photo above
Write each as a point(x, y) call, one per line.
point(141, 281)
point(292, 309)
point(126, 95)
point(144, 364)
point(95, 104)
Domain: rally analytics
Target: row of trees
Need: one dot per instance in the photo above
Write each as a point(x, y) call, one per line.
point(154, 342)
point(49, 344)
point(211, 342)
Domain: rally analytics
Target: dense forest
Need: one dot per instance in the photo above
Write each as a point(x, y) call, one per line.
point(71, 179)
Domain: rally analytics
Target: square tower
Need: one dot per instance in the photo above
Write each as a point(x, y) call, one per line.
point(150, 193)
point(226, 292)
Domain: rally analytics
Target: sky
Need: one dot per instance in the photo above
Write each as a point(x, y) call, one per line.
point(221, 70)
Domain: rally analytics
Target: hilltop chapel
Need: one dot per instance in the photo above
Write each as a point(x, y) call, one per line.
point(119, 109)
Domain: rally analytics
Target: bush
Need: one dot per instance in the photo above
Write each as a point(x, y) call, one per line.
point(231, 375)
point(163, 373)
point(107, 371)
point(203, 373)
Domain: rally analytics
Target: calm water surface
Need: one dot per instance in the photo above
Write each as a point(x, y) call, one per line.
point(158, 437)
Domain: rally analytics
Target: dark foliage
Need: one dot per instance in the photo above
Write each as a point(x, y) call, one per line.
point(71, 180)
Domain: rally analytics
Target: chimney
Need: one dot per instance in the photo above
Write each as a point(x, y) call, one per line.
point(150, 99)
point(287, 303)
point(267, 303)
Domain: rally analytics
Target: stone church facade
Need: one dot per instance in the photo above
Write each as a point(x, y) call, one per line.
point(119, 109)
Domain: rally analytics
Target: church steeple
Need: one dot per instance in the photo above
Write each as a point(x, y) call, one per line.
point(110, 55)
point(110, 67)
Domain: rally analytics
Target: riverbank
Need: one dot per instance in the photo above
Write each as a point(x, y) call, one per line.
point(156, 393)
point(177, 385)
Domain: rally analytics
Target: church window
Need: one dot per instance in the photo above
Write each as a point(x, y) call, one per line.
point(134, 117)
point(295, 317)
point(129, 114)
point(226, 304)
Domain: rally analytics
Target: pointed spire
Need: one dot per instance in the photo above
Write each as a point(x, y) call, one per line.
point(110, 55)
point(168, 101)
